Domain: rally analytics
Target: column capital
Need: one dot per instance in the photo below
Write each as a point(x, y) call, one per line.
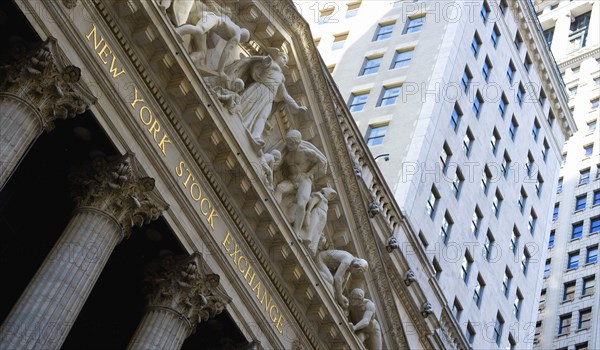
point(179, 284)
point(117, 187)
point(43, 79)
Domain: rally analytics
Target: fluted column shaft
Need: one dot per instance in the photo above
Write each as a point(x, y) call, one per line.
point(20, 125)
point(111, 197)
point(47, 309)
point(161, 328)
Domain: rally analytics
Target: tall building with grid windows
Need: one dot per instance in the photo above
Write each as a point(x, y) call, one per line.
point(569, 317)
point(467, 103)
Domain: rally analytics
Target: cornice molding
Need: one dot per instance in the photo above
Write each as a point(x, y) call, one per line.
point(578, 56)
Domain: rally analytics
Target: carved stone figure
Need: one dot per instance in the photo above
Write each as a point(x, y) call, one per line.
point(426, 309)
point(362, 320)
point(266, 87)
point(337, 267)
point(206, 30)
point(270, 162)
point(392, 244)
point(302, 163)
point(316, 217)
point(230, 97)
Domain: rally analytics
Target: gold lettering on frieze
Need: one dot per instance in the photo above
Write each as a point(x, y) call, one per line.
point(147, 118)
point(104, 52)
point(205, 206)
point(266, 300)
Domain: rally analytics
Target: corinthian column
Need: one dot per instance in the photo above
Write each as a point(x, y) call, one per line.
point(181, 296)
point(111, 198)
point(36, 89)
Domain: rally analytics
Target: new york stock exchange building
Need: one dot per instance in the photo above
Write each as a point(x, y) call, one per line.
point(184, 174)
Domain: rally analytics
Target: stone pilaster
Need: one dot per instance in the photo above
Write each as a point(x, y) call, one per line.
point(35, 90)
point(180, 297)
point(112, 197)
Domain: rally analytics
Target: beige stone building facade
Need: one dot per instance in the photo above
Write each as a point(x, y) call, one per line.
point(569, 304)
point(463, 106)
point(185, 174)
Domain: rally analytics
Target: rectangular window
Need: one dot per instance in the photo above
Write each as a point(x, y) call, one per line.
point(545, 150)
point(352, 9)
point(525, 261)
point(592, 254)
point(477, 104)
point(510, 72)
point(389, 95)
point(535, 129)
point(487, 69)
point(585, 319)
point(376, 134)
point(559, 185)
point(569, 291)
point(551, 118)
point(505, 165)
point(476, 221)
point(576, 230)
point(414, 25)
point(527, 63)
point(595, 225)
point(547, 268)
point(339, 40)
point(437, 268)
point(488, 245)
point(478, 291)
point(470, 333)
point(588, 150)
point(357, 101)
point(498, 326)
point(520, 94)
point(573, 260)
point(580, 202)
point(551, 239)
point(589, 284)
point(446, 228)
point(465, 267)
point(578, 31)
point(555, 211)
point(445, 156)
point(517, 304)
point(542, 98)
point(564, 325)
point(475, 44)
point(402, 59)
point(518, 41)
point(591, 126)
point(457, 183)
point(383, 31)
point(370, 65)
point(495, 141)
point(468, 142)
point(497, 203)
point(532, 221)
point(485, 179)
point(465, 81)
point(484, 12)
point(584, 176)
point(495, 36)
point(456, 308)
point(514, 240)
point(595, 103)
point(432, 202)
point(549, 35)
point(522, 200)
point(542, 304)
point(502, 105)
point(506, 282)
point(512, 129)
point(455, 117)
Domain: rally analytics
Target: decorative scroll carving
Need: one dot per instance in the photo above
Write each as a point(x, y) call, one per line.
point(266, 87)
point(409, 277)
point(40, 79)
point(70, 4)
point(362, 320)
point(116, 187)
point(426, 309)
point(316, 218)
point(302, 164)
point(337, 267)
point(177, 283)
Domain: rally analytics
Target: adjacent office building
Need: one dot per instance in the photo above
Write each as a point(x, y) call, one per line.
point(569, 315)
point(466, 101)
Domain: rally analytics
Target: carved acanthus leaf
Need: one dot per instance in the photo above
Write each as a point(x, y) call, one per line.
point(116, 187)
point(40, 79)
point(178, 283)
